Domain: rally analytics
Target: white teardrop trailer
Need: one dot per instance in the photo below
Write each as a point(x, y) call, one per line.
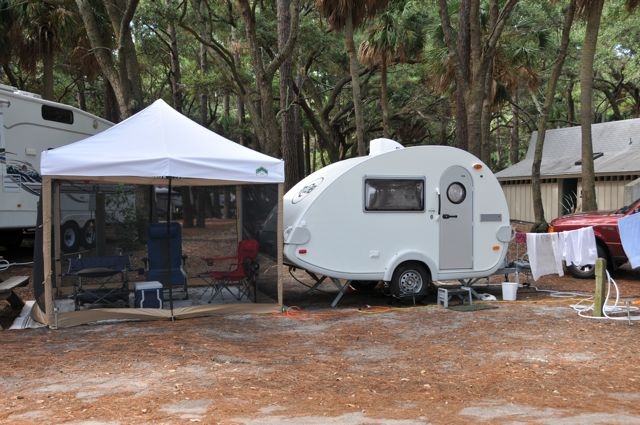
point(405, 216)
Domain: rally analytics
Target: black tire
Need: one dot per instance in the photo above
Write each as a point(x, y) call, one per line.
point(11, 239)
point(410, 281)
point(588, 271)
point(70, 236)
point(89, 234)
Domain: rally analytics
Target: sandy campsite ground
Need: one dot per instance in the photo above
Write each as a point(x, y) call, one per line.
point(534, 361)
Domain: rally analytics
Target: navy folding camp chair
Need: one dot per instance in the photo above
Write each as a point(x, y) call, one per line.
point(101, 281)
point(165, 262)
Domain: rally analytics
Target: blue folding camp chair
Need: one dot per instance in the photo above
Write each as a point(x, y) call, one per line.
point(100, 281)
point(165, 262)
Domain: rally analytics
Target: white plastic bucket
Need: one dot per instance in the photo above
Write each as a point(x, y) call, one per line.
point(509, 291)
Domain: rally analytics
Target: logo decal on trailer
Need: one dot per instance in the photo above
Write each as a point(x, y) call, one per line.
point(307, 190)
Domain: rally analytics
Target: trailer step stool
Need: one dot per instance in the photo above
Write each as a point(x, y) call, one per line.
point(445, 294)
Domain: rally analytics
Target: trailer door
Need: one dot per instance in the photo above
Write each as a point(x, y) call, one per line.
point(456, 219)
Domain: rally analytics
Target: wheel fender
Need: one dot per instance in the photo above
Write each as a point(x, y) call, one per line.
point(598, 235)
point(404, 256)
point(79, 219)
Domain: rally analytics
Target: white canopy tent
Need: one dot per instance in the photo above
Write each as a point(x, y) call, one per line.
point(156, 146)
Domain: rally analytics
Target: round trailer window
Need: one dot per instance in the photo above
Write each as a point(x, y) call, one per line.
point(456, 193)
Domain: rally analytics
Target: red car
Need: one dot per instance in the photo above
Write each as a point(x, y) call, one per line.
point(605, 227)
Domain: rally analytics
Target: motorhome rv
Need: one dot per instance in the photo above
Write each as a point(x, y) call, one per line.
point(405, 216)
point(28, 126)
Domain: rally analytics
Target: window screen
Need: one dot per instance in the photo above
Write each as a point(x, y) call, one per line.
point(394, 194)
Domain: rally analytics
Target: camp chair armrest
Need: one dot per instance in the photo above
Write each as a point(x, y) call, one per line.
point(212, 260)
point(145, 262)
point(98, 266)
point(97, 272)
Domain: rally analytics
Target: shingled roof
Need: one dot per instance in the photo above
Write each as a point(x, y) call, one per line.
point(616, 147)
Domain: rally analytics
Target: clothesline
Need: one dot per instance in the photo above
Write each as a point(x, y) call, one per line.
point(629, 228)
point(547, 251)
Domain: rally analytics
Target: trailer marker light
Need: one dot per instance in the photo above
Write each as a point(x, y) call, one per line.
point(302, 251)
point(496, 248)
point(477, 166)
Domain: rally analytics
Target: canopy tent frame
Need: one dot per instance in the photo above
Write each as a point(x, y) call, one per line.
point(52, 261)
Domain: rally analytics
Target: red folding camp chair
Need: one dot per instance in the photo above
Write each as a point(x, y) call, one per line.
point(235, 274)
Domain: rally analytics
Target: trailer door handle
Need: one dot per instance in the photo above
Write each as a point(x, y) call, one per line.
point(445, 216)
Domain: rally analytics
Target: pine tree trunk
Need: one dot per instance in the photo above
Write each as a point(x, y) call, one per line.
point(536, 189)
point(594, 13)
point(384, 99)
point(175, 76)
point(287, 107)
point(355, 85)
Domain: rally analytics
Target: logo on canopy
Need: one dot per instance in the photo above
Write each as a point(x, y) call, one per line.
point(261, 171)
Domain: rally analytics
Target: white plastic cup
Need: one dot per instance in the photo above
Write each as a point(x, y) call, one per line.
point(509, 291)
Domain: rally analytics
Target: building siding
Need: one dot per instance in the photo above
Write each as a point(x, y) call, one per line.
point(616, 166)
point(520, 200)
point(610, 195)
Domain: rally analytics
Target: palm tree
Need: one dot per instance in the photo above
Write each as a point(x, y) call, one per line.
point(119, 65)
point(471, 54)
point(591, 11)
point(40, 28)
point(395, 38)
point(7, 43)
point(347, 15)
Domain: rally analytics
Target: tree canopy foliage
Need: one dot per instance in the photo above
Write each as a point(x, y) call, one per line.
point(293, 78)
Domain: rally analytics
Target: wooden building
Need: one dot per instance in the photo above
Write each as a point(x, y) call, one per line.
point(616, 152)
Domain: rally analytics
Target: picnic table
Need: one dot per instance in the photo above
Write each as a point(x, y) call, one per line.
point(7, 293)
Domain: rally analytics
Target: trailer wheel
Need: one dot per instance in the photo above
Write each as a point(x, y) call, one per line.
point(70, 236)
point(11, 238)
point(410, 281)
point(89, 234)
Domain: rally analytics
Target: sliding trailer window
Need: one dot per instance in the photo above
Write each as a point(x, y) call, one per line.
point(53, 113)
point(394, 194)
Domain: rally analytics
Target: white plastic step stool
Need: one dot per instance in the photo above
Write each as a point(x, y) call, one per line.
point(445, 294)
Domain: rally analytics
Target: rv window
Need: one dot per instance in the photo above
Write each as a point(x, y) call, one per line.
point(52, 113)
point(394, 195)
